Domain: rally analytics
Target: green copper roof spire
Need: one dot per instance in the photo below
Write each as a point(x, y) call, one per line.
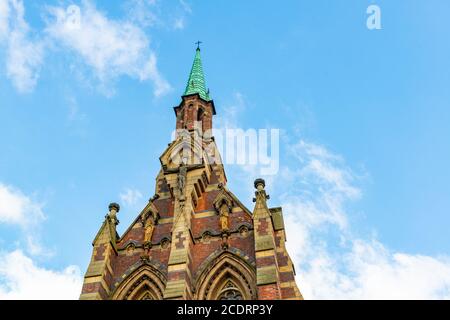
point(196, 82)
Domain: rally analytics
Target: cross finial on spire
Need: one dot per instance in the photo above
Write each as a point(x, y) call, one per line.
point(198, 43)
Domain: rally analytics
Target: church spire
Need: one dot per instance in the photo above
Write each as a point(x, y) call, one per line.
point(196, 82)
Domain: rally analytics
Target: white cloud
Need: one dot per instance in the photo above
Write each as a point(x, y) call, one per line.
point(17, 208)
point(178, 24)
point(109, 48)
point(4, 14)
point(130, 196)
point(143, 12)
point(24, 55)
point(22, 279)
point(112, 48)
point(331, 262)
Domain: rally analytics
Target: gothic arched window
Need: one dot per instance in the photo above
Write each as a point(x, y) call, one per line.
point(227, 278)
point(146, 283)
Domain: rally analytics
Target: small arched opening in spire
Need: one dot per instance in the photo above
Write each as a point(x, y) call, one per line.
point(200, 114)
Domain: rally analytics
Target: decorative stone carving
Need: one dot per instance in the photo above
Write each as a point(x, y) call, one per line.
point(260, 184)
point(149, 219)
point(230, 292)
point(243, 231)
point(224, 243)
point(149, 228)
point(165, 243)
point(224, 214)
point(130, 249)
point(114, 208)
point(182, 179)
point(206, 237)
point(223, 205)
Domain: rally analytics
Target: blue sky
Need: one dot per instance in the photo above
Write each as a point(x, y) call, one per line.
point(363, 113)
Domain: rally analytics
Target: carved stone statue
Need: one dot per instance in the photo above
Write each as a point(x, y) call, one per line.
point(181, 179)
point(224, 213)
point(149, 227)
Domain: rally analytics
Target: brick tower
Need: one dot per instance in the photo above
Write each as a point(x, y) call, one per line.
point(194, 239)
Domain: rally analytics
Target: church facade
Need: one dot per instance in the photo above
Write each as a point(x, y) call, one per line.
point(194, 240)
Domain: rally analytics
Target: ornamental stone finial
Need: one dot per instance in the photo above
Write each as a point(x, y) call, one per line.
point(114, 206)
point(260, 184)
